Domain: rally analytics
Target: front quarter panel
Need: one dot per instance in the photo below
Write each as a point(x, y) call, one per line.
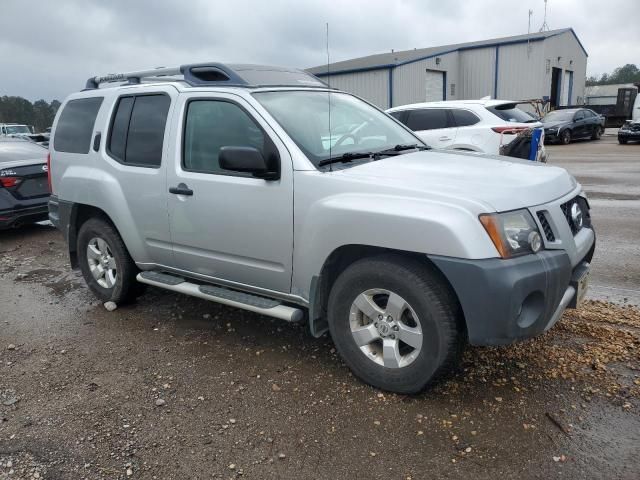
point(331, 212)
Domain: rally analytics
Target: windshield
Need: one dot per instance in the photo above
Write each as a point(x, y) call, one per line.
point(559, 116)
point(355, 125)
point(510, 113)
point(17, 129)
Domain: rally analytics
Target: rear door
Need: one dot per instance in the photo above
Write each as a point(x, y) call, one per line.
point(434, 125)
point(135, 156)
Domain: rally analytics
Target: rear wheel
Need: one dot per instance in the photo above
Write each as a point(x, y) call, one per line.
point(106, 265)
point(565, 137)
point(395, 323)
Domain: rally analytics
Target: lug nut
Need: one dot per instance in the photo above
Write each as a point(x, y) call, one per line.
point(396, 328)
point(393, 337)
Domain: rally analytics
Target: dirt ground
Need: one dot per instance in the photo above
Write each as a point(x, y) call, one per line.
point(175, 388)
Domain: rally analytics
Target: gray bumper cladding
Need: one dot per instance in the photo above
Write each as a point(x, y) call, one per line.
point(508, 300)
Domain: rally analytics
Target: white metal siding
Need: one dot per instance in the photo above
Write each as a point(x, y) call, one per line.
point(521, 71)
point(372, 86)
point(409, 79)
point(477, 68)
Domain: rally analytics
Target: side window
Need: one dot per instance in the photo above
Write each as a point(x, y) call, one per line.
point(588, 113)
point(213, 124)
point(579, 115)
point(75, 125)
point(464, 118)
point(397, 115)
point(137, 130)
point(427, 119)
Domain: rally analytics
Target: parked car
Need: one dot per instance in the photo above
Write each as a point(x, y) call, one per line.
point(471, 125)
point(15, 129)
point(569, 124)
point(24, 192)
point(225, 182)
point(629, 132)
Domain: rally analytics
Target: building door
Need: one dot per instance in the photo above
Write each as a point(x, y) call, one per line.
point(566, 89)
point(434, 86)
point(556, 86)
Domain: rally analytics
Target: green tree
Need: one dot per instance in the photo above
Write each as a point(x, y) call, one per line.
point(19, 110)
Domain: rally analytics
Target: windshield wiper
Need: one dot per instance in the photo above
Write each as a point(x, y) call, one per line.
point(345, 157)
point(400, 148)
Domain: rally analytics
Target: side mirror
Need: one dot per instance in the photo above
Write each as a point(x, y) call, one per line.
point(247, 160)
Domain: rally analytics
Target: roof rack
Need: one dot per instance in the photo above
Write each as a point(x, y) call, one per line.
point(217, 74)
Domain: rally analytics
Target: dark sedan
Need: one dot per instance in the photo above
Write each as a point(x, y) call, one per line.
point(566, 125)
point(629, 132)
point(24, 189)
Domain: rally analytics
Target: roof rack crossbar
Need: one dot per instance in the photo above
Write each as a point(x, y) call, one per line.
point(132, 77)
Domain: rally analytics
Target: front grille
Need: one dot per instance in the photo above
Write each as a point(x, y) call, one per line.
point(586, 216)
point(548, 233)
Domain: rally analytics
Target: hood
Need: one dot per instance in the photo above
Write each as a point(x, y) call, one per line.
point(494, 181)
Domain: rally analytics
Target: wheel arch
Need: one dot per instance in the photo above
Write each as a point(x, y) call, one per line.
point(339, 260)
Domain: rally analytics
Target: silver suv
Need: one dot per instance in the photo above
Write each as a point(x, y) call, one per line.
point(263, 189)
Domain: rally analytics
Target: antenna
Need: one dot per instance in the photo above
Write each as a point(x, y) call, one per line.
point(528, 33)
point(329, 95)
point(545, 26)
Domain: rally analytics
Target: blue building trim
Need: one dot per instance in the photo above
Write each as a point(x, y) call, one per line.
point(390, 87)
point(496, 70)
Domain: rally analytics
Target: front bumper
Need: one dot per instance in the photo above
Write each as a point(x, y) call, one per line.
point(551, 137)
point(629, 135)
point(504, 301)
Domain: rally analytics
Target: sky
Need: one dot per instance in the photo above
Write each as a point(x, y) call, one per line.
point(48, 48)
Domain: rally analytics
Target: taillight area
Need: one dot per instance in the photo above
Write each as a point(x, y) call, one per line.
point(10, 182)
point(49, 173)
point(507, 130)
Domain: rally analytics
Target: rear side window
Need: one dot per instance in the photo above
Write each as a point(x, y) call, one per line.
point(464, 118)
point(75, 125)
point(510, 113)
point(427, 119)
point(137, 130)
point(397, 115)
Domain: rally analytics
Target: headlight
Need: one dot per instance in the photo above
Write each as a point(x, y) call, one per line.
point(513, 233)
point(551, 130)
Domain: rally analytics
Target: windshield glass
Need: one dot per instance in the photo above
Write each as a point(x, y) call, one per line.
point(16, 129)
point(559, 116)
point(355, 125)
point(510, 113)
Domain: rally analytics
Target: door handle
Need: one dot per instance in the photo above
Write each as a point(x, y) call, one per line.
point(181, 189)
point(444, 138)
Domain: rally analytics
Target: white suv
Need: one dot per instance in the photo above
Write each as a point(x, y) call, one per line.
point(473, 125)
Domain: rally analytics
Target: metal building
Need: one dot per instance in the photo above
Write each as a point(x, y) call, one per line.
point(550, 64)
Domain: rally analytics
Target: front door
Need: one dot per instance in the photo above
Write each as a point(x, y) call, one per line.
point(229, 226)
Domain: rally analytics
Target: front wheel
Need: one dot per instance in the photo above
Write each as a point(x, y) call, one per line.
point(395, 323)
point(597, 133)
point(622, 141)
point(106, 265)
point(565, 137)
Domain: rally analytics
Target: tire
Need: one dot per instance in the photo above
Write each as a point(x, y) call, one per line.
point(622, 141)
point(597, 133)
point(565, 137)
point(121, 287)
point(426, 295)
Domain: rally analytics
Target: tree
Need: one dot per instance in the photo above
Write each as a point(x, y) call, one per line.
point(628, 73)
point(19, 110)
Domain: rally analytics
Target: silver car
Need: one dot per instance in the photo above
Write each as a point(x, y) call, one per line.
point(262, 188)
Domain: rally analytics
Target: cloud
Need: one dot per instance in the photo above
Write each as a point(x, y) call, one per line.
point(50, 48)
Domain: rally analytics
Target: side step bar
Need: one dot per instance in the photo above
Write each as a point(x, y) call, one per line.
point(226, 296)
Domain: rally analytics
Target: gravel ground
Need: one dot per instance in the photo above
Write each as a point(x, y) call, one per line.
point(174, 387)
